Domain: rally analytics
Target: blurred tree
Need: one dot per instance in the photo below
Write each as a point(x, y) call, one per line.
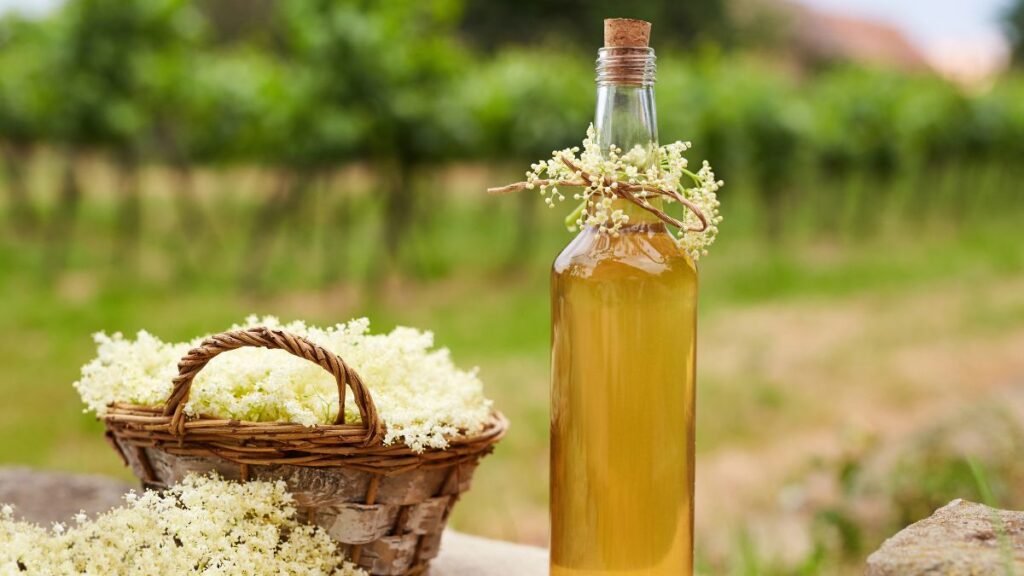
point(223, 107)
point(765, 26)
point(1014, 24)
point(492, 23)
point(775, 133)
point(239, 21)
point(25, 94)
point(524, 104)
point(293, 131)
point(748, 120)
point(380, 79)
point(109, 55)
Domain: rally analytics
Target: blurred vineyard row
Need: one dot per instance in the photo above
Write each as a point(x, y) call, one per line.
point(393, 88)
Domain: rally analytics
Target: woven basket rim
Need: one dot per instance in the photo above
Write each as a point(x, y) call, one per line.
point(271, 443)
point(494, 427)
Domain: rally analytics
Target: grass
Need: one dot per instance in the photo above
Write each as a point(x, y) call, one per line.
point(1006, 547)
point(456, 281)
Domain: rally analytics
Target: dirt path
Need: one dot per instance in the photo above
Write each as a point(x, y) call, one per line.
point(879, 366)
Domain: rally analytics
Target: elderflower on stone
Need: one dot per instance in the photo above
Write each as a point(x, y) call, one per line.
point(204, 525)
point(664, 168)
point(421, 396)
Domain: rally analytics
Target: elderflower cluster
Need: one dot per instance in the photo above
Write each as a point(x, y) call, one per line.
point(664, 168)
point(421, 396)
point(204, 525)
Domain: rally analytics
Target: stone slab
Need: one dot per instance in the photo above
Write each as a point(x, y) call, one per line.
point(45, 497)
point(463, 555)
point(960, 539)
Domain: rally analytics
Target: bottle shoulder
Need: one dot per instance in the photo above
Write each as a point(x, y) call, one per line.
point(637, 251)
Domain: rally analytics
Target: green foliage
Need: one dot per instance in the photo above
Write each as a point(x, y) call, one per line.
point(118, 64)
point(26, 93)
point(997, 118)
point(524, 104)
point(379, 74)
point(240, 106)
point(1014, 23)
point(391, 82)
point(493, 23)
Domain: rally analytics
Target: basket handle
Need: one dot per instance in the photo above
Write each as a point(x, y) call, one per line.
point(263, 337)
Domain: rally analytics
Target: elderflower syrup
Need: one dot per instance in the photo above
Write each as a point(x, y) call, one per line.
point(623, 352)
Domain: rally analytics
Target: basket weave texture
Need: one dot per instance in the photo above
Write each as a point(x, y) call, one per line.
point(386, 505)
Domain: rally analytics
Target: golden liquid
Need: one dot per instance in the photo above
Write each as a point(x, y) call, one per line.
point(622, 422)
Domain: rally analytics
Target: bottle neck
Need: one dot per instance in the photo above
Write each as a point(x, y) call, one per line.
point(639, 216)
point(626, 116)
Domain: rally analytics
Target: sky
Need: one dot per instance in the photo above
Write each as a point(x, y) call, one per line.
point(961, 33)
point(928, 21)
point(31, 7)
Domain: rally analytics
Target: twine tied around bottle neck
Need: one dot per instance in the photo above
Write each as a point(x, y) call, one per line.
point(623, 190)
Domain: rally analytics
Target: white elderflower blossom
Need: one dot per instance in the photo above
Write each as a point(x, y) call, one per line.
point(203, 525)
point(601, 174)
point(420, 394)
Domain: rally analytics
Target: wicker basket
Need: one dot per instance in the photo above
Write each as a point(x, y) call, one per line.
point(386, 505)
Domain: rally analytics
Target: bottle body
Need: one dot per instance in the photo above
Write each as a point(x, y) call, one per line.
point(623, 404)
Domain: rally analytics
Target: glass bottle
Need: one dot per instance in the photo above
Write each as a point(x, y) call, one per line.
point(623, 353)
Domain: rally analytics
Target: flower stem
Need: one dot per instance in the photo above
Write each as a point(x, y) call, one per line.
point(570, 220)
point(694, 177)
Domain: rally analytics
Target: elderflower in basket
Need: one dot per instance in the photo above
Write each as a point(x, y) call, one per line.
point(376, 435)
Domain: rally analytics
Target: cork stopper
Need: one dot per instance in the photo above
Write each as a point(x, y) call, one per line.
point(626, 33)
